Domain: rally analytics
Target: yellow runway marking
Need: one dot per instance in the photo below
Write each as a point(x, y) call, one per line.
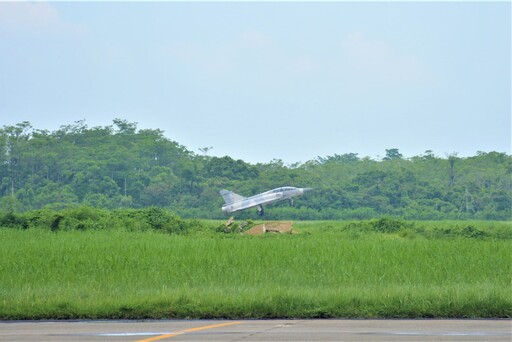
point(181, 332)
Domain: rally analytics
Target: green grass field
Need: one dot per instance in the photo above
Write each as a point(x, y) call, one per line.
point(329, 269)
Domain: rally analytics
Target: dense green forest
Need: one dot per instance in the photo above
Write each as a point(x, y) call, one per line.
point(121, 166)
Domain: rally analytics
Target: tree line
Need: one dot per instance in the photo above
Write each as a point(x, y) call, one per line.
point(121, 166)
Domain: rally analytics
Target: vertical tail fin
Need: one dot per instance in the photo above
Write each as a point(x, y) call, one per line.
point(230, 197)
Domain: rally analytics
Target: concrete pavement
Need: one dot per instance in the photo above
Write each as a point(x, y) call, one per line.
point(258, 330)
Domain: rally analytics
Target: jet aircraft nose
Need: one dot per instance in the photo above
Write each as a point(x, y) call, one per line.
point(307, 189)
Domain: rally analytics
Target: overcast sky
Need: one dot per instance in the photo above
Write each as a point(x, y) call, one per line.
point(259, 81)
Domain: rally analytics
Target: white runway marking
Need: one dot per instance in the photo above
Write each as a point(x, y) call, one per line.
point(412, 333)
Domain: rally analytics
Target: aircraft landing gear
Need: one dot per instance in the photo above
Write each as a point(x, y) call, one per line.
point(260, 211)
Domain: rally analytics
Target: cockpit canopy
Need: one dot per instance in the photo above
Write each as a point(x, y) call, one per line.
point(284, 188)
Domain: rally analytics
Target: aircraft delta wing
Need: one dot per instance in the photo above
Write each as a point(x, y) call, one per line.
point(236, 202)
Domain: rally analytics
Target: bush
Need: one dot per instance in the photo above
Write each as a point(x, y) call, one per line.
point(12, 220)
point(87, 218)
point(472, 232)
point(389, 225)
point(159, 219)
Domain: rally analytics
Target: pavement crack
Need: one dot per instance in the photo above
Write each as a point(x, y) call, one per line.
point(260, 332)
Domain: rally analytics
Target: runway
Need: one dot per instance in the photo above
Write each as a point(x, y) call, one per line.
point(258, 330)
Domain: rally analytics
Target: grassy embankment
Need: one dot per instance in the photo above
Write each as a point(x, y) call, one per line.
point(330, 269)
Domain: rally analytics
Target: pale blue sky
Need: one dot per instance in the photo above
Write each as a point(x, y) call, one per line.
point(264, 80)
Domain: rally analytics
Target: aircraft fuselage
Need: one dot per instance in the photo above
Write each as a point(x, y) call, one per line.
point(235, 202)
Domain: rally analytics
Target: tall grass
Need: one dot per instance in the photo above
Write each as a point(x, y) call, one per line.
point(119, 274)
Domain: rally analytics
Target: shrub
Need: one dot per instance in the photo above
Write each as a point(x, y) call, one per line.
point(472, 232)
point(12, 220)
point(389, 225)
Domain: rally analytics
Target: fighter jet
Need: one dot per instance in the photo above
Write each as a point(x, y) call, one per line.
point(235, 202)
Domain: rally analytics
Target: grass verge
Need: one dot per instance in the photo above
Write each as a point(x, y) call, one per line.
point(325, 273)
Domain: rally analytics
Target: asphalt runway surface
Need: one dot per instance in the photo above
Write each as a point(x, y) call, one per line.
point(258, 330)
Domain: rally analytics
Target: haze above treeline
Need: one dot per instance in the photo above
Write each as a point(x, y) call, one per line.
point(267, 79)
point(120, 166)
